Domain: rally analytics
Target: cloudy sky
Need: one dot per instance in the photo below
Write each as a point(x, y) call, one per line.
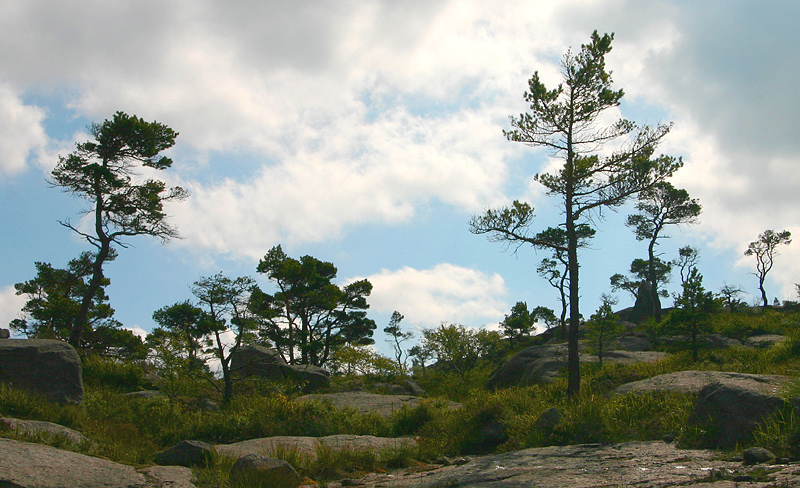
point(366, 133)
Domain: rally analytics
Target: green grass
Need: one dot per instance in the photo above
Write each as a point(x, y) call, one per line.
point(131, 430)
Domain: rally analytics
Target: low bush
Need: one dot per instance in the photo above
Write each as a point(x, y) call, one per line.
point(103, 372)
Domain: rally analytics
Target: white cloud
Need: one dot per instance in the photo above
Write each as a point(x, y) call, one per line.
point(21, 131)
point(444, 293)
point(352, 113)
point(378, 172)
point(10, 305)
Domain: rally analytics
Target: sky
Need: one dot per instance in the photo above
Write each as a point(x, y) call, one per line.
point(367, 133)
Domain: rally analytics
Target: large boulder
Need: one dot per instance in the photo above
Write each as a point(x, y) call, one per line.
point(255, 470)
point(644, 308)
point(543, 364)
point(533, 365)
point(693, 382)
point(47, 367)
point(733, 411)
point(266, 363)
point(185, 453)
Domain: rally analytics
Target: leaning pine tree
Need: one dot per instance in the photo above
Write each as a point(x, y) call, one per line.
point(105, 172)
point(568, 121)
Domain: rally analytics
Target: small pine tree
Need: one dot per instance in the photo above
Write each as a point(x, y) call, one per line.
point(603, 326)
point(693, 309)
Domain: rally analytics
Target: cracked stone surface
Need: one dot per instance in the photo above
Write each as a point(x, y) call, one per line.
point(633, 464)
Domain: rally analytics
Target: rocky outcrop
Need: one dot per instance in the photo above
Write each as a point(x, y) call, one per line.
point(384, 405)
point(765, 340)
point(757, 455)
point(27, 465)
point(47, 367)
point(733, 410)
point(308, 446)
point(693, 381)
point(543, 364)
point(263, 362)
point(185, 453)
point(716, 341)
point(644, 464)
point(258, 470)
point(44, 429)
point(646, 305)
point(631, 343)
point(533, 365)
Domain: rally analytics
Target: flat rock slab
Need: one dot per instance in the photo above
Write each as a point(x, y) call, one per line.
point(631, 357)
point(27, 465)
point(38, 427)
point(384, 405)
point(639, 464)
point(765, 340)
point(692, 382)
point(308, 446)
point(23, 464)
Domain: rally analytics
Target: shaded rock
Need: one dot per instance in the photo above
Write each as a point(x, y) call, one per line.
point(716, 341)
point(391, 389)
point(693, 381)
point(268, 364)
point(257, 361)
point(26, 465)
point(631, 343)
point(256, 470)
point(5, 334)
point(543, 364)
point(533, 365)
point(733, 411)
point(313, 378)
point(548, 419)
point(646, 306)
point(489, 435)
point(757, 455)
point(629, 357)
point(308, 446)
point(185, 453)
point(47, 367)
point(37, 427)
point(414, 388)
point(384, 405)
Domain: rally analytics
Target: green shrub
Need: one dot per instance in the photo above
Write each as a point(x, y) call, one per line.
point(103, 372)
